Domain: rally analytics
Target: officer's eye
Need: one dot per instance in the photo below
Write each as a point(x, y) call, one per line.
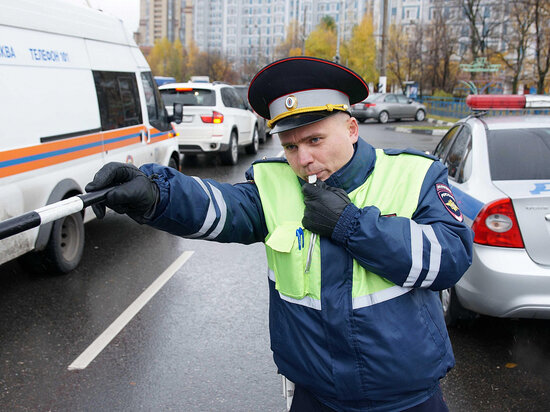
point(290, 147)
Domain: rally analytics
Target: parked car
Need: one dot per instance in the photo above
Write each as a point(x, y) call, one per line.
point(499, 171)
point(262, 123)
point(215, 120)
point(386, 106)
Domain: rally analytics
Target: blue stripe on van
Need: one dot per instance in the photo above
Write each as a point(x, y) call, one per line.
point(118, 139)
point(53, 153)
point(468, 205)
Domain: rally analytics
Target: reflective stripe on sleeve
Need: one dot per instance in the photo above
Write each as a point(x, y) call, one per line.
point(417, 250)
point(416, 254)
point(223, 213)
point(306, 301)
point(210, 214)
point(435, 256)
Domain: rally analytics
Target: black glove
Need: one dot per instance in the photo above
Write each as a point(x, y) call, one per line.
point(134, 193)
point(324, 205)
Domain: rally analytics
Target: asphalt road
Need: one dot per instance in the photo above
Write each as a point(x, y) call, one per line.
point(200, 343)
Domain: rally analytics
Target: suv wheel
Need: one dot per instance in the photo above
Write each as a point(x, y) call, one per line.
point(253, 147)
point(231, 155)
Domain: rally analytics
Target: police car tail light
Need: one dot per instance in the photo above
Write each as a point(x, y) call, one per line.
point(216, 118)
point(370, 104)
point(507, 101)
point(497, 225)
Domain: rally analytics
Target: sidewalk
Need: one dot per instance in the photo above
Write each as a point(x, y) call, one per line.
point(434, 132)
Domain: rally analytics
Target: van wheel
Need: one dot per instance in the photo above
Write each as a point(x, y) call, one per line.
point(253, 147)
point(64, 250)
point(231, 155)
point(173, 164)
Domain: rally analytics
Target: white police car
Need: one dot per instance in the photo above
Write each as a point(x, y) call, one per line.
point(499, 170)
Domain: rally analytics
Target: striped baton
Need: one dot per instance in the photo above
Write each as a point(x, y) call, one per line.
point(49, 213)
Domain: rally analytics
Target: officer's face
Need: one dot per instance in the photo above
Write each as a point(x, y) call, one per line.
point(320, 148)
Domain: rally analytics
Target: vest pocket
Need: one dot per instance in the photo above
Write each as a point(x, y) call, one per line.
point(288, 255)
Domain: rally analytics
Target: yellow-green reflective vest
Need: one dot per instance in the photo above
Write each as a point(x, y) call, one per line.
point(393, 187)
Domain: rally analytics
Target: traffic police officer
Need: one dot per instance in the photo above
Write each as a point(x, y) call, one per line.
point(356, 256)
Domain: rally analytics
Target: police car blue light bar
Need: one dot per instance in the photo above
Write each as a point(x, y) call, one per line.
point(507, 101)
point(49, 213)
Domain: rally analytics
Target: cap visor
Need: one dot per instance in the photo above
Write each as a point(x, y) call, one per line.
point(299, 120)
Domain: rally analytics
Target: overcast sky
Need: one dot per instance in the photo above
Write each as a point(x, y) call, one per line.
point(127, 10)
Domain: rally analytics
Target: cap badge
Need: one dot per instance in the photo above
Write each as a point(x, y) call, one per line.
point(291, 103)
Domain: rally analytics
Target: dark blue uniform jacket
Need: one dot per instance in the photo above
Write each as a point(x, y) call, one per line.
point(383, 357)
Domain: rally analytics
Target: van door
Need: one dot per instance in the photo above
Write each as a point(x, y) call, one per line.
point(158, 127)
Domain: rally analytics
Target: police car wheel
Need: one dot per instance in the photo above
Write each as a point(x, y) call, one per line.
point(453, 311)
point(253, 147)
point(383, 117)
point(231, 155)
point(420, 115)
point(66, 244)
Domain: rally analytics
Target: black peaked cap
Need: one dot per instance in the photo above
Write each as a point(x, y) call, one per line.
point(294, 74)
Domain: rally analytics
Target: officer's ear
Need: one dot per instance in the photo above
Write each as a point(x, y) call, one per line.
point(353, 129)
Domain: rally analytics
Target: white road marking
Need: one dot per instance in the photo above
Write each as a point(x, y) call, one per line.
point(103, 340)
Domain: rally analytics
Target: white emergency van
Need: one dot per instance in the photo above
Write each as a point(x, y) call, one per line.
point(75, 93)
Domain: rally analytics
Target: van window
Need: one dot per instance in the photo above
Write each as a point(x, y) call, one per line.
point(155, 109)
point(118, 98)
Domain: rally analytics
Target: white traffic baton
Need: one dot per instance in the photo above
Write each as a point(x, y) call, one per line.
point(49, 213)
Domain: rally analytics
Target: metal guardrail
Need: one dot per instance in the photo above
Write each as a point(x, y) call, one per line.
point(456, 108)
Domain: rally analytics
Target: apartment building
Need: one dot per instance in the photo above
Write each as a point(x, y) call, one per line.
point(250, 30)
point(159, 19)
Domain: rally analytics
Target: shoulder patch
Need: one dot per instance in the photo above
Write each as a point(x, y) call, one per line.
point(411, 151)
point(446, 196)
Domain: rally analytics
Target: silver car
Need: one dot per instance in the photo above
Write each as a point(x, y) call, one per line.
point(499, 171)
point(386, 106)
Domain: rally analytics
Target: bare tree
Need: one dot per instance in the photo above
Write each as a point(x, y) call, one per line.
point(416, 56)
point(518, 39)
point(397, 54)
point(483, 17)
point(441, 46)
point(542, 41)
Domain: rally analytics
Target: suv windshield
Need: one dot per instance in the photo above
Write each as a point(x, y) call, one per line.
point(189, 96)
point(519, 154)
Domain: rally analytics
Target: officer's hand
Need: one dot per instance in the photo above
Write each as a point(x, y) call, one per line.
point(324, 205)
point(133, 193)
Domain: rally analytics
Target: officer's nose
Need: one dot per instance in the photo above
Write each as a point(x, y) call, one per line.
point(304, 157)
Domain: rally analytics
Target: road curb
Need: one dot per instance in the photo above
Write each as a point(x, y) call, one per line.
point(438, 122)
point(434, 132)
